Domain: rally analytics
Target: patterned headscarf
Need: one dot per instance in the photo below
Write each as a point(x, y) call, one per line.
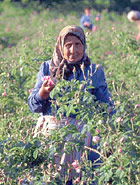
point(58, 63)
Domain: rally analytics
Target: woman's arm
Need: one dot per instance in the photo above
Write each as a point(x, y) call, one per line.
point(37, 103)
point(101, 89)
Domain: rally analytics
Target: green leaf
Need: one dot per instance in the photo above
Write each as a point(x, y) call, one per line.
point(35, 154)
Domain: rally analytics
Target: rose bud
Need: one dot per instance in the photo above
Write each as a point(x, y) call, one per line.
point(122, 140)
point(97, 131)
point(119, 150)
point(121, 168)
point(95, 173)
point(105, 144)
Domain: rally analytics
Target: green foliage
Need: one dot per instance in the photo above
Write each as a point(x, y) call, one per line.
point(27, 38)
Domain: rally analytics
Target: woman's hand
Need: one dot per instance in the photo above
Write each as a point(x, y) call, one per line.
point(46, 87)
point(86, 24)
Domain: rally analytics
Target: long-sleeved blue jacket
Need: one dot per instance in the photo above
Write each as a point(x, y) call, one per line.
point(86, 18)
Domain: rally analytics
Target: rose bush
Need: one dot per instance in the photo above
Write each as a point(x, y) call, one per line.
point(25, 159)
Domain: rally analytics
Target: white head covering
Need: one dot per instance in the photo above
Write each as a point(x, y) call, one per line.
point(58, 62)
point(133, 16)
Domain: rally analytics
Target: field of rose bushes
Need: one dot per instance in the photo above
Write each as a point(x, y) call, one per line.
point(27, 38)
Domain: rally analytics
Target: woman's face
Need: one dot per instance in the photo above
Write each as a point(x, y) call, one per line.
point(73, 50)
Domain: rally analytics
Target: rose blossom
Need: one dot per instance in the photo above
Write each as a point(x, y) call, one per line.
point(100, 122)
point(107, 52)
point(7, 29)
point(94, 28)
point(50, 82)
point(4, 94)
point(77, 170)
point(119, 150)
point(97, 131)
point(77, 180)
point(48, 78)
point(105, 144)
point(137, 106)
point(66, 122)
point(75, 164)
point(96, 139)
point(95, 173)
point(97, 18)
point(121, 168)
point(30, 90)
point(119, 120)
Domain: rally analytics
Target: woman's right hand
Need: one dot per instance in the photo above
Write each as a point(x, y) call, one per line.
point(46, 87)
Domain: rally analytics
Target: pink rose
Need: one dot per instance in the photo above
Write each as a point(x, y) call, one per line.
point(50, 82)
point(137, 106)
point(41, 125)
point(75, 164)
point(30, 90)
point(95, 173)
point(7, 29)
point(102, 56)
point(21, 181)
point(121, 168)
point(77, 170)
point(119, 120)
point(96, 139)
point(46, 78)
point(60, 20)
point(4, 94)
point(77, 180)
point(97, 18)
point(119, 150)
point(66, 122)
point(94, 28)
point(97, 131)
point(137, 37)
point(135, 57)
point(107, 52)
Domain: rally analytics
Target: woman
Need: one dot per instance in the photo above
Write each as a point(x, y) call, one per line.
point(134, 16)
point(69, 54)
point(86, 20)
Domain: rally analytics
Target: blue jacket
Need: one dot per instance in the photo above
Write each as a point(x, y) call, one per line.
point(39, 105)
point(84, 19)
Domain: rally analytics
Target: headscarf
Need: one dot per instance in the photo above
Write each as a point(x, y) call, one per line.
point(133, 16)
point(58, 64)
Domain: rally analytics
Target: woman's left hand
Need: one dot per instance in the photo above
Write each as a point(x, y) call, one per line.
point(46, 87)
